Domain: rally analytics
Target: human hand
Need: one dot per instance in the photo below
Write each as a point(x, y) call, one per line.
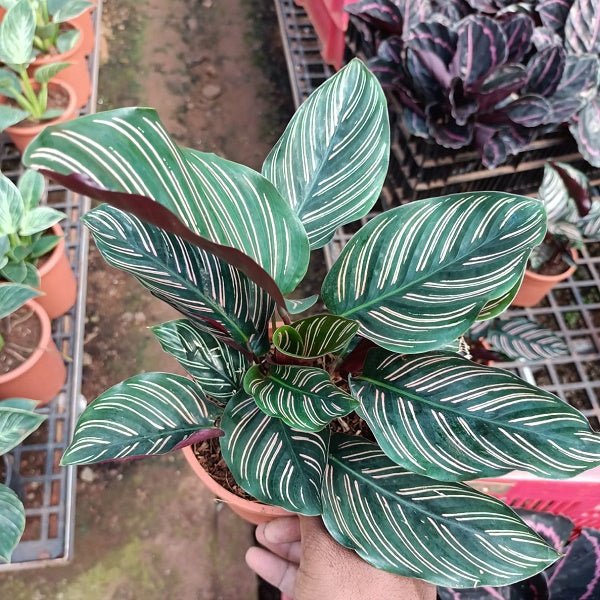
point(302, 560)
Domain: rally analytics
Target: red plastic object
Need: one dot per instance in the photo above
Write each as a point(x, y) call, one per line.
point(577, 498)
point(330, 35)
point(337, 12)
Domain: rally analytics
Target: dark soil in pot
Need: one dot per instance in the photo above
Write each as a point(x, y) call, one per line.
point(21, 332)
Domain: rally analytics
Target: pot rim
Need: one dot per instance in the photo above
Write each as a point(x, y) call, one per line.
point(46, 59)
point(42, 345)
point(35, 129)
point(225, 495)
point(55, 254)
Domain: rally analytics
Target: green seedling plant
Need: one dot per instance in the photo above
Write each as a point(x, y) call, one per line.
point(24, 226)
point(573, 215)
point(17, 421)
point(50, 16)
point(225, 245)
point(17, 34)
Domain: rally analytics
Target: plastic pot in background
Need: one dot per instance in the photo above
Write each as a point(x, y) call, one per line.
point(85, 23)
point(77, 75)
point(251, 511)
point(535, 286)
point(43, 374)
point(57, 280)
point(22, 135)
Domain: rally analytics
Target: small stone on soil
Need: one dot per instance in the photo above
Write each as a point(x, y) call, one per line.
point(87, 475)
point(211, 91)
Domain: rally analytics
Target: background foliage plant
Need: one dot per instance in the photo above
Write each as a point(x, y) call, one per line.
point(224, 245)
point(17, 35)
point(24, 226)
point(490, 75)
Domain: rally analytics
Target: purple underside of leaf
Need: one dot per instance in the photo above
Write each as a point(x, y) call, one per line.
point(579, 193)
point(200, 436)
point(445, 131)
point(433, 66)
point(462, 105)
point(156, 214)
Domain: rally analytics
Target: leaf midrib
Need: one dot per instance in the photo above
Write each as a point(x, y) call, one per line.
point(421, 400)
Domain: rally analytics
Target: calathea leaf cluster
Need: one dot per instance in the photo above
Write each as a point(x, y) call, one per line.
point(491, 75)
point(224, 245)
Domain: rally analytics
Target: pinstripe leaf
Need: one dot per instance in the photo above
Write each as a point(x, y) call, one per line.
point(151, 413)
point(441, 415)
point(416, 277)
point(315, 336)
point(445, 533)
point(128, 150)
point(216, 367)
point(12, 522)
point(295, 305)
point(15, 425)
point(332, 159)
point(274, 463)
point(522, 338)
point(304, 398)
point(218, 297)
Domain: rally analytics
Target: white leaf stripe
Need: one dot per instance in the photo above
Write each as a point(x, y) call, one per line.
point(216, 367)
point(304, 398)
point(274, 463)
point(228, 203)
point(195, 282)
point(389, 517)
point(440, 415)
point(332, 159)
point(522, 338)
point(147, 414)
point(12, 521)
point(409, 298)
point(15, 425)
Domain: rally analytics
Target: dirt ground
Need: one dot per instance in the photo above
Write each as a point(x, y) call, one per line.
point(149, 530)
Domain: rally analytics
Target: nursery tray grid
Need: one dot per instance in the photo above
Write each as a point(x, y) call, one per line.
point(46, 489)
point(572, 309)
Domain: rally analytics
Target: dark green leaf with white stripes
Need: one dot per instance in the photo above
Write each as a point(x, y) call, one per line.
point(148, 414)
point(419, 275)
point(445, 533)
point(215, 366)
point(274, 463)
point(332, 159)
point(218, 297)
point(12, 522)
point(128, 150)
point(315, 336)
point(15, 425)
point(295, 305)
point(304, 398)
point(441, 415)
point(522, 338)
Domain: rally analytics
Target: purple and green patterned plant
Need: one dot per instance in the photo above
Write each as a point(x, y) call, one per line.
point(223, 244)
point(488, 74)
point(576, 576)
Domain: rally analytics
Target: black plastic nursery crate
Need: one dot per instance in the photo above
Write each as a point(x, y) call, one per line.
point(46, 489)
point(572, 309)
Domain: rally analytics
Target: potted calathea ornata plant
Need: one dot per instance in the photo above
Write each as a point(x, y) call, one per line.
point(224, 245)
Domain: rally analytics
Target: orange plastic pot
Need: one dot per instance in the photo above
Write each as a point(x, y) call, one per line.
point(57, 281)
point(43, 374)
point(85, 23)
point(22, 135)
point(76, 75)
point(251, 511)
point(535, 286)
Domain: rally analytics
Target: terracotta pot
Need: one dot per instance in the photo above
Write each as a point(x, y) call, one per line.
point(57, 280)
point(251, 511)
point(535, 286)
point(77, 75)
point(43, 374)
point(85, 23)
point(21, 136)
